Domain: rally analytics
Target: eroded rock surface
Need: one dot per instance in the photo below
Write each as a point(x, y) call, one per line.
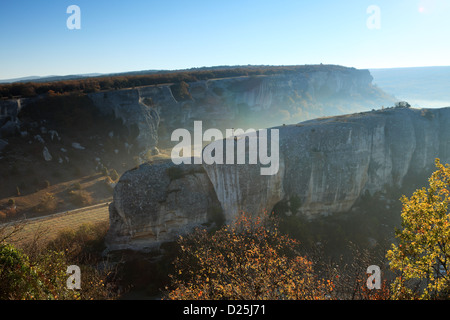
point(157, 202)
point(325, 164)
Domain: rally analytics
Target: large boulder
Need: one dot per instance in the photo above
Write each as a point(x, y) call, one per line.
point(156, 202)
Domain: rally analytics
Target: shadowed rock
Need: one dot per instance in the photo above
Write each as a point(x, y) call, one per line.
point(157, 202)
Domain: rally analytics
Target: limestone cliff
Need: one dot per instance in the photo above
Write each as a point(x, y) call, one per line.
point(127, 105)
point(265, 101)
point(328, 163)
point(325, 164)
point(157, 202)
point(259, 101)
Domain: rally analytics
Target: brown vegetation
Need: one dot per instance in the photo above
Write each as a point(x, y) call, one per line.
point(95, 84)
point(253, 260)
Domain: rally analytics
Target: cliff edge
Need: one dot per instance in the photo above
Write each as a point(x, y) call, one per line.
point(326, 165)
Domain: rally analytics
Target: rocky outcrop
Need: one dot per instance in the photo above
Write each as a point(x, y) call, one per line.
point(127, 105)
point(157, 202)
point(325, 165)
point(9, 111)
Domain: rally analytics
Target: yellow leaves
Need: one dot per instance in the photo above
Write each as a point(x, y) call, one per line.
point(424, 237)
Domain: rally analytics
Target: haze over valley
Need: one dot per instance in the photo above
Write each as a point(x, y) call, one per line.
point(422, 87)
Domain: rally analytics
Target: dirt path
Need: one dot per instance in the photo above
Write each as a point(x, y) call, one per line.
point(48, 227)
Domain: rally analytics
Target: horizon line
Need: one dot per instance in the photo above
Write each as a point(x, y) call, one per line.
point(100, 74)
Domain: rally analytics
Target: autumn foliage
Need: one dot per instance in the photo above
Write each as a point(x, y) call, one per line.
point(122, 81)
point(247, 260)
point(421, 258)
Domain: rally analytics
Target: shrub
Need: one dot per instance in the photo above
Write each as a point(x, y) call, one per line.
point(80, 197)
point(109, 184)
point(218, 91)
point(181, 91)
point(38, 274)
point(114, 175)
point(247, 261)
point(84, 247)
point(21, 278)
point(81, 244)
point(10, 212)
point(17, 279)
point(47, 203)
point(426, 113)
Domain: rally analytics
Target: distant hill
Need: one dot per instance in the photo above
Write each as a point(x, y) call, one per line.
point(29, 78)
point(421, 86)
point(50, 78)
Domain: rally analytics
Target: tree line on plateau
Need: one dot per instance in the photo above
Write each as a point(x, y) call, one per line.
point(122, 81)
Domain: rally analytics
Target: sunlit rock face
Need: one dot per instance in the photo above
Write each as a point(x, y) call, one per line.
point(324, 164)
point(248, 102)
point(328, 163)
point(244, 187)
point(151, 113)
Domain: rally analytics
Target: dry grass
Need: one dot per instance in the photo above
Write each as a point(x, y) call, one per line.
point(59, 197)
point(48, 204)
point(80, 198)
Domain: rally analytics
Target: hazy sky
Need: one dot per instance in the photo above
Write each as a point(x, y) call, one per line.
point(130, 35)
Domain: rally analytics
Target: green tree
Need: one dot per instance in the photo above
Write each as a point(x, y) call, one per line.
point(36, 270)
point(422, 255)
point(22, 279)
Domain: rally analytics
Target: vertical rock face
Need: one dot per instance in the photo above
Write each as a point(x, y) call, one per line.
point(9, 110)
point(128, 106)
point(256, 101)
point(241, 188)
point(265, 101)
point(152, 113)
point(331, 162)
point(326, 164)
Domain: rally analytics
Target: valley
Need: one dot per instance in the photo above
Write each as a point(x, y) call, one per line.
point(347, 152)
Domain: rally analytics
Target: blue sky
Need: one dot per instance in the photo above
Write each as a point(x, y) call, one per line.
point(117, 36)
